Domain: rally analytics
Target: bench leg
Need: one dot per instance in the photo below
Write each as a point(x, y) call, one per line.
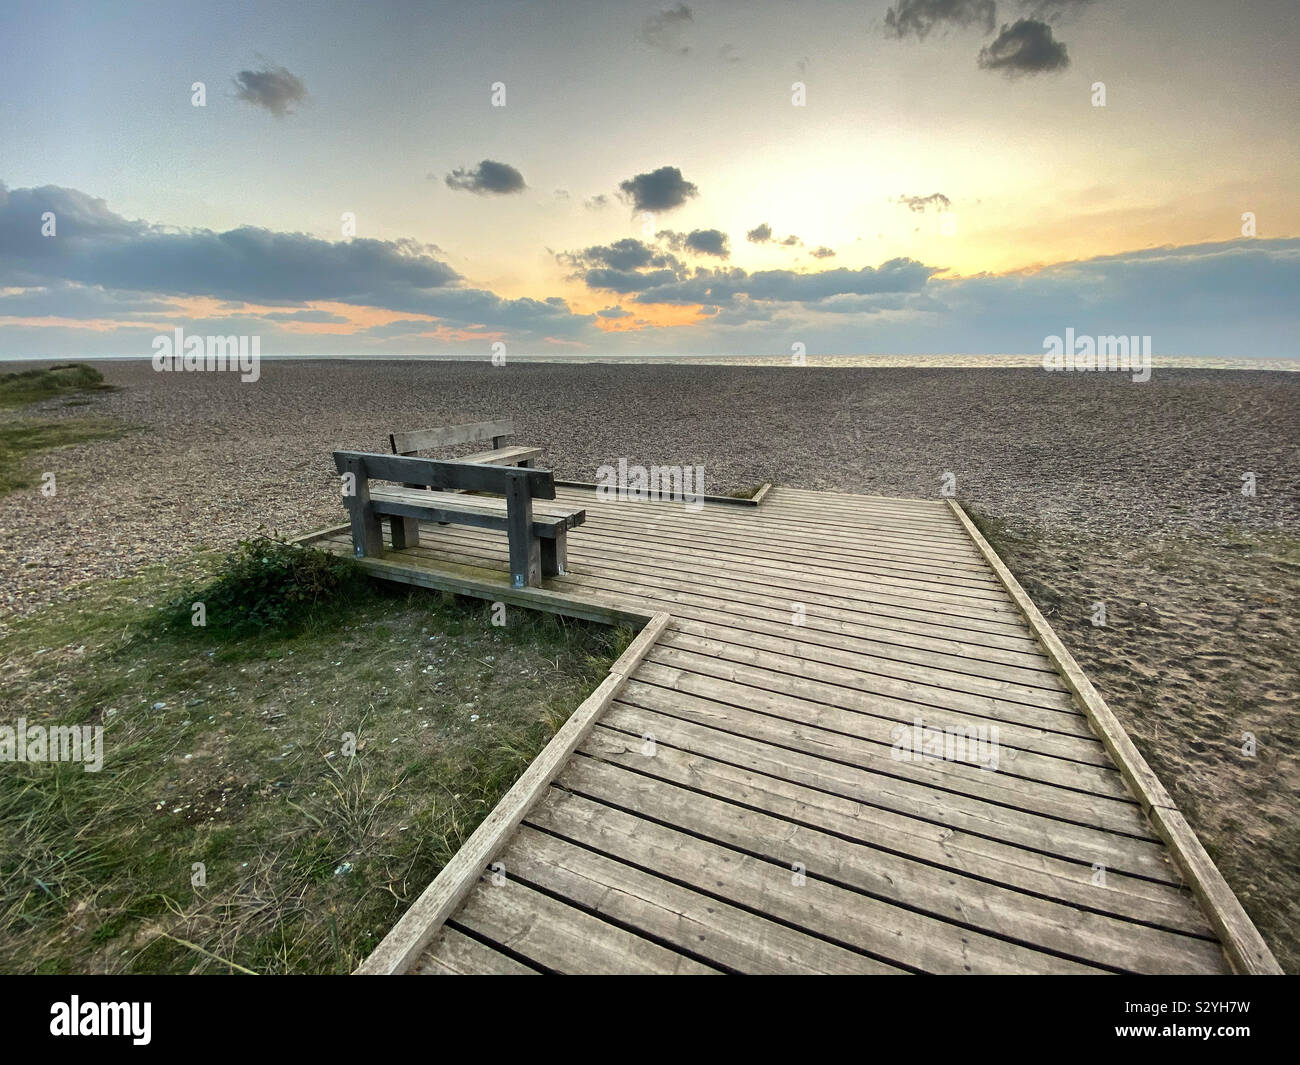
point(367, 536)
point(554, 555)
point(525, 561)
point(406, 532)
point(525, 553)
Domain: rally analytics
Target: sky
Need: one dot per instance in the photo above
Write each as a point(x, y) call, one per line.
point(904, 177)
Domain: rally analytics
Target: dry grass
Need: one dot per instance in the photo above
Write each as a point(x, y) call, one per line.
point(229, 752)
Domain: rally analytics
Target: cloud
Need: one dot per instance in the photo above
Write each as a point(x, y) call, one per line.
point(275, 89)
point(699, 241)
point(658, 190)
point(595, 203)
point(1025, 47)
point(921, 204)
point(920, 17)
point(95, 247)
point(762, 234)
point(785, 286)
point(626, 254)
point(63, 300)
point(822, 252)
point(613, 312)
point(488, 177)
point(708, 242)
point(666, 30)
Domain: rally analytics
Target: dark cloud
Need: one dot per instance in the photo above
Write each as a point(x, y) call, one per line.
point(625, 281)
point(78, 301)
point(658, 190)
point(613, 312)
point(708, 242)
point(595, 203)
point(921, 204)
point(762, 234)
point(626, 265)
point(919, 17)
point(95, 247)
point(699, 241)
point(822, 252)
point(488, 177)
point(666, 30)
point(1025, 47)
point(787, 286)
point(275, 89)
point(626, 254)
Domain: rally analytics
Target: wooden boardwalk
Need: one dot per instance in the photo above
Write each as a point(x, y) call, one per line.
point(744, 794)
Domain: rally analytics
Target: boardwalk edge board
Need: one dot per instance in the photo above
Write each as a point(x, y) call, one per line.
point(735, 501)
point(417, 927)
point(1242, 943)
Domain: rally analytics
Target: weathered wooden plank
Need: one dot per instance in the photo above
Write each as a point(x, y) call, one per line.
point(867, 741)
point(448, 435)
point(936, 673)
point(467, 476)
point(937, 834)
point(799, 897)
point(616, 572)
point(504, 456)
point(453, 953)
point(564, 939)
point(718, 933)
point(775, 826)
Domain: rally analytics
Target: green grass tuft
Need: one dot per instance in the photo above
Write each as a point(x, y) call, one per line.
point(23, 438)
point(30, 386)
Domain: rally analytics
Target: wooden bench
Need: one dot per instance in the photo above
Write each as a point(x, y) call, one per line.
point(467, 433)
point(536, 533)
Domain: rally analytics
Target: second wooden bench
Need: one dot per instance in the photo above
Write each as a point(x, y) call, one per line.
point(536, 533)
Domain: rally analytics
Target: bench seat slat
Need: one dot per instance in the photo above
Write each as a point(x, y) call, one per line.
point(484, 511)
point(502, 456)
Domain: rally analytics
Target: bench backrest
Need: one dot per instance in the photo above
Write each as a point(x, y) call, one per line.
point(467, 433)
point(445, 474)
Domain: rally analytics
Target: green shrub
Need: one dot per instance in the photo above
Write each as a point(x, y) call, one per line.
point(28, 386)
point(267, 586)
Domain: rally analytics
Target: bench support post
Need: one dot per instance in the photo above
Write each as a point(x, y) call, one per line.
point(554, 554)
point(525, 552)
point(406, 532)
point(367, 536)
